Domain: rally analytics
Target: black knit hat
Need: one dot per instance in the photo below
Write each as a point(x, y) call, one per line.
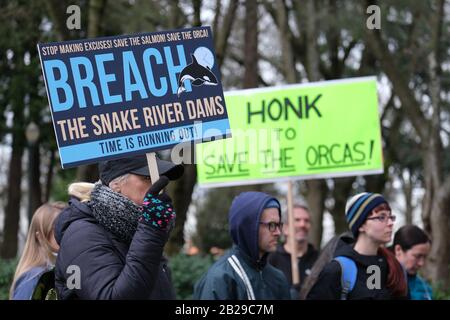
point(109, 170)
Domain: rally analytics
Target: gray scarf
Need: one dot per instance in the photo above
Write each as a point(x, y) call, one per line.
point(115, 212)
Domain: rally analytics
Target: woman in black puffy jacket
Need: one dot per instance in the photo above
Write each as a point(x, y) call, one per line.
point(113, 233)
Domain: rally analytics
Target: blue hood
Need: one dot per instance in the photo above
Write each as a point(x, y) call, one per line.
point(244, 217)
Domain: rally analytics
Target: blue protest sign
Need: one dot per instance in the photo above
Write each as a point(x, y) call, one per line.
point(117, 96)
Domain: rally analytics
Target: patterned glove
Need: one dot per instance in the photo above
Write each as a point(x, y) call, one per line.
point(157, 210)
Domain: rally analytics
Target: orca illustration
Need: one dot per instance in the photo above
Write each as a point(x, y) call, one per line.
point(198, 74)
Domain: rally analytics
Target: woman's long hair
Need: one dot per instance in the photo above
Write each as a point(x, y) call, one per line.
point(37, 250)
point(396, 281)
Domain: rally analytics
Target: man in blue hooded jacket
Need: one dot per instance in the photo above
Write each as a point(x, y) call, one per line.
point(243, 272)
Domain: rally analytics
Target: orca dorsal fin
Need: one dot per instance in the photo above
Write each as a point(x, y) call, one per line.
point(194, 60)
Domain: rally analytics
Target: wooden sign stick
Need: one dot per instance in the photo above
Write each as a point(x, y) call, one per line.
point(152, 166)
point(291, 237)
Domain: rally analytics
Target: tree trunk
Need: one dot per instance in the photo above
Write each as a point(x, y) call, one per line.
point(251, 44)
point(12, 210)
point(437, 266)
point(286, 47)
point(312, 52)
point(173, 14)
point(341, 192)
point(225, 30)
point(57, 10)
point(215, 24)
point(34, 188)
point(17, 92)
point(316, 193)
point(197, 5)
point(435, 209)
point(181, 192)
point(49, 177)
point(408, 187)
point(96, 10)
point(439, 258)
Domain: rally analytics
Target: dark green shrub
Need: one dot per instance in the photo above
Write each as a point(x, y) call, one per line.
point(186, 270)
point(7, 269)
point(440, 292)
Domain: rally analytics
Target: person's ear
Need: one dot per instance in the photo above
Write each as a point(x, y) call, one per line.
point(115, 186)
point(362, 228)
point(38, 236)
point(397, 250)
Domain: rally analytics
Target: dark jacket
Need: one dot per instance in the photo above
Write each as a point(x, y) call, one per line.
point(328, 285)
point(281, 260)
point(109, 269)
point(222, 282)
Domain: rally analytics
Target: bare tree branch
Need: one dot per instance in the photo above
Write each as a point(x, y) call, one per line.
point(400, 84)
point(215, 24)
point(312, 56)
point(347, 50)
point(197, 4)
point(389, 105)
point(96, 10)
point(298, 45)
point(56, 11)
point(240, 61)
point(225, 30)
point(286, 49)
point(251, 44)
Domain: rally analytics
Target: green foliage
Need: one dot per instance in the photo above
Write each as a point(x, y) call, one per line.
point(212, 221)
point(440, 293)
point(61, 183)
point(7, 269)
point(186, 270)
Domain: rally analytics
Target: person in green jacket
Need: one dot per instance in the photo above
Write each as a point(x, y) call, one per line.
point(243, 272)
point(411, 247)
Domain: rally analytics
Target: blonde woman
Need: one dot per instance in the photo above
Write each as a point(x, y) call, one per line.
point(39, 253)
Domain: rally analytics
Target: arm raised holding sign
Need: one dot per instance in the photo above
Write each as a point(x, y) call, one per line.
point(114, 231)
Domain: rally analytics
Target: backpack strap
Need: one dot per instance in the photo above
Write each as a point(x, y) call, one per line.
point(46, 284)
point(349, 272)
point(234, 262)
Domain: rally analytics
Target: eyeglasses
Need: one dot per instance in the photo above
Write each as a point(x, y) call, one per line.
point(273, 225)
point(383, 218)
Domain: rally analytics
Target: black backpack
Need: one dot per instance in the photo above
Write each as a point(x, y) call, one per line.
point(45, 288)
point(348, 266)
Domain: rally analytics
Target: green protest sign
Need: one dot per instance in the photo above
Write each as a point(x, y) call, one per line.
point(317, 130)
